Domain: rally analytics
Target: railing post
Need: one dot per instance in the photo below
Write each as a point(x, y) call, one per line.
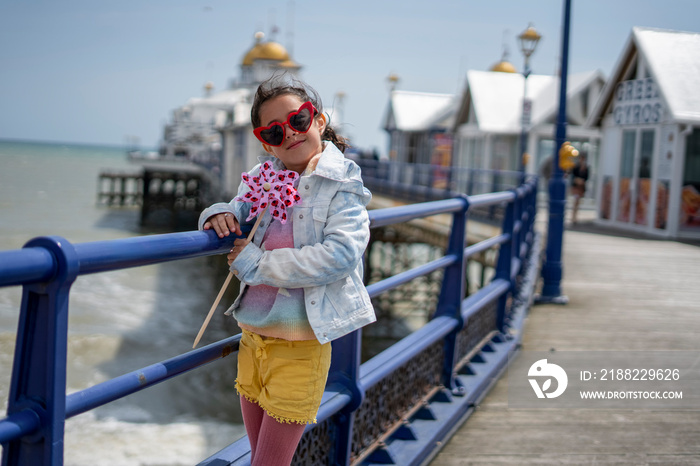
point(345, 370)
point(532, 206)
point(495, 182)
point(39, 371)
point(470, 185)
point(525, 235)
point(449, 175)
point(452, 292)
point(518, 232)
point(505, 263)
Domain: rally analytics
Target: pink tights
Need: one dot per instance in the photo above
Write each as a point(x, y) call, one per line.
point(272, 443)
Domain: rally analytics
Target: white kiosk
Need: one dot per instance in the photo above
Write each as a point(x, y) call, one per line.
point(649, 116)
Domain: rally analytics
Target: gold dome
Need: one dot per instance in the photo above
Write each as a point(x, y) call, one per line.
point(268, 51)
point(504, 67)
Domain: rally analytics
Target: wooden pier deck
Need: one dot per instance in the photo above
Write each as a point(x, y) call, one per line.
point(625, 294)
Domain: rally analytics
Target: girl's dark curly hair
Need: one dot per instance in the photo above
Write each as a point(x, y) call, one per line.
point(277, 86)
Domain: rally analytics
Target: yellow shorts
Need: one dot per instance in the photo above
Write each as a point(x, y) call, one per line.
point(286, 378)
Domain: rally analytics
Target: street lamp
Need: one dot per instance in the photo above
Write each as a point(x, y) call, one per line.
point(553, 267)
point(528, 42)
point(392, 81)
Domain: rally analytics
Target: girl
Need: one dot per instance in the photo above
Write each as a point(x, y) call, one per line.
point(301, 281)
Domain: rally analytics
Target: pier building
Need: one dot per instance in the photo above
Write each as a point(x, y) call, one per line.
point(488, 121)
point(214, 130)
point(416, 123)
point(649, 118)
point(480, 129)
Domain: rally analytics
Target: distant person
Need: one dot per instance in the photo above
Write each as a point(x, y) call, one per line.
point(547, 168)
point(546, 171)
point(301, 276)
point(579, 177)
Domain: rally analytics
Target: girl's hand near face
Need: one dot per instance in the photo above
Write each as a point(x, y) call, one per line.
point(223, 224)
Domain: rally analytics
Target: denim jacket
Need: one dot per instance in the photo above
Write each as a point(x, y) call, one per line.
point(331, 232)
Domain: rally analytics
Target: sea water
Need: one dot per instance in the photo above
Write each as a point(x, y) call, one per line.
point(119, 321)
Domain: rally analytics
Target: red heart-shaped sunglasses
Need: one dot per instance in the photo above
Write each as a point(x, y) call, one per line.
point(299, 121)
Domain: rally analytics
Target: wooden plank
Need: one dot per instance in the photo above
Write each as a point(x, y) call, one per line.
point(624, 294)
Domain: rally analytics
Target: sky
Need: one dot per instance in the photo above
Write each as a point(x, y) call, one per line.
point(110, 72)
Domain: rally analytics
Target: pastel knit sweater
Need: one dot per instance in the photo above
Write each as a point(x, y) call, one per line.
point(271, 311)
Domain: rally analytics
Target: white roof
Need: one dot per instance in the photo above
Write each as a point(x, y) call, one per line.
point(226, 97)
point(674, 61)
point(497, 97)
point(417, 111)
point(213, 109)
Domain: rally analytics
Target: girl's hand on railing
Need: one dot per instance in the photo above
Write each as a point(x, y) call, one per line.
point(238, 246)
point(223, 224)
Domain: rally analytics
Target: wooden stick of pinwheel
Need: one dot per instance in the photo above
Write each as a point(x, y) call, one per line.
point(270, 188)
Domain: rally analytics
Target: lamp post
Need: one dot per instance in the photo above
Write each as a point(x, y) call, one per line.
point(393, 81)
point(528, 43)
point(553, 269)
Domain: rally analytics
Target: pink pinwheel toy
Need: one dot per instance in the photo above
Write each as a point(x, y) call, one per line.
point(270, 188)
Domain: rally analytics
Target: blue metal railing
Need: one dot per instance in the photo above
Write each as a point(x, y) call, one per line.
point(426, 182)
point(32, 433)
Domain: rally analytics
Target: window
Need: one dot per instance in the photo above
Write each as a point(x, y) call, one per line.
point(647, 151)
point(627, 162)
